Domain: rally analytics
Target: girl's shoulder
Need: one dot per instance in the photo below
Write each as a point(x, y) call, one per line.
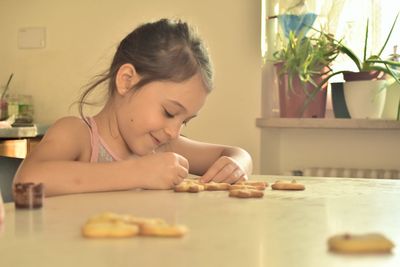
point(70, 123)
point(71, 137)
point(69, 127)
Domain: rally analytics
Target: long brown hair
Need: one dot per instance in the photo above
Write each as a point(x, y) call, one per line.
point(163, 50)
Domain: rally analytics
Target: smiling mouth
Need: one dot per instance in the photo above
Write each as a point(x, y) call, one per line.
point(156, 141)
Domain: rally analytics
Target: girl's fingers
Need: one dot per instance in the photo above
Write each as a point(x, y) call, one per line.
point(183, 161)
point(214, 170)
point(225, 173)
point(235, 176)
point(182, 172)
point(225, 170)
point(242, 178)
point(178, 180)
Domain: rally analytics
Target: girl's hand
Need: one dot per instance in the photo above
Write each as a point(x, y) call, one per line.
point(163, 170)
point(226, 170)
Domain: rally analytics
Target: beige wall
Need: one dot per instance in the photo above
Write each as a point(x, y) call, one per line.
point(82, 36)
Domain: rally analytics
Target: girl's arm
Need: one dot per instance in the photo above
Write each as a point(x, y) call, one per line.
point(214, 162)
point(61, 162)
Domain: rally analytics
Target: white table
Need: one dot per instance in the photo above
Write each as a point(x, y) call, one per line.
point(282, 229)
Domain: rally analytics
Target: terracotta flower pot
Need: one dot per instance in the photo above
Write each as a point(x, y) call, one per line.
point(295, 102)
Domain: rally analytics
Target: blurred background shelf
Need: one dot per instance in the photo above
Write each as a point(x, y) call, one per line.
point(327, 123)
point(20, 141)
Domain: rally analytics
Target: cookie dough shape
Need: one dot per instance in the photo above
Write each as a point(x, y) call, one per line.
point(113, 225)
point(213, 186)
point(286, 185)
point(245, 189)
point(358, 244)
point(243, 186)
point(246, 193)
point(110, 229)
point(189, 185)
point(163, 230)
point(260, 185)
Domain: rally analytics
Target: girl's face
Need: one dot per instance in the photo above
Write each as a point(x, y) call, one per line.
point(154, 115)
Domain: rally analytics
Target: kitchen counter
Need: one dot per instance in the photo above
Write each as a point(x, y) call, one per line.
point(23, 132)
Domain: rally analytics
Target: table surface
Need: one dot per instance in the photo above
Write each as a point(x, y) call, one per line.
point(282, 229)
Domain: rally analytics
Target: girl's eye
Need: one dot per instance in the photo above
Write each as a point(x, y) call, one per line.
point(169, 115)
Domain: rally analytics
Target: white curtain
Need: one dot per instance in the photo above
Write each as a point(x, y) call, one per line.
point(347, 19)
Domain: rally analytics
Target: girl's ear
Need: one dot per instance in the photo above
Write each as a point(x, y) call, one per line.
point(126, 78)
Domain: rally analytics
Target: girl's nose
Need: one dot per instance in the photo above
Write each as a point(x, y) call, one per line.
point(173, 130)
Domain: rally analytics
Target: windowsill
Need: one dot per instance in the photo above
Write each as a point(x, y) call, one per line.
point(311, 123)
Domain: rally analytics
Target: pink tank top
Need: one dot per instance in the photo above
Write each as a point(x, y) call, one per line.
point(100, 150)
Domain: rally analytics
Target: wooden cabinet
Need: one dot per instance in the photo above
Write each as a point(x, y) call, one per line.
point(18, 148)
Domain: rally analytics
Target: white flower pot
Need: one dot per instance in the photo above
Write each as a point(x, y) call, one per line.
point(365, 99)
point(392, 101)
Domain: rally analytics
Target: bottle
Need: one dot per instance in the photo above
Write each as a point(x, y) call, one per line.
point(25, 110)
point(297, 19)
point(12, 105)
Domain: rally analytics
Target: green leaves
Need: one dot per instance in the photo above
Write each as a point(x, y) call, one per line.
point(374, 61)
point(366, 41)
point(345, 50)
point(388, 37)
point(306, 57)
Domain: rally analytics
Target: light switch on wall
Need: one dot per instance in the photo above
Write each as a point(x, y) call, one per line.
point(31, 37)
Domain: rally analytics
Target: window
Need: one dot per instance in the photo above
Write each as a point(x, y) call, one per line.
point(344, 18)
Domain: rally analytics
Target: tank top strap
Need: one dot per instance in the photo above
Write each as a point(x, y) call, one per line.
point(100, 150)
point(94, 139)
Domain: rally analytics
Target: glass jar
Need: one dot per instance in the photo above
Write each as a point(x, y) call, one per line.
point(21, 106)
point(25, 109)
point(3, 109)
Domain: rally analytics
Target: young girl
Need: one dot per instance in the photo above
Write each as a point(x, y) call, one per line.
point(157, 82)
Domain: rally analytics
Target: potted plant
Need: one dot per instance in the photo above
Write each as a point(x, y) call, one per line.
point(302, 65)
point(366, 85)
